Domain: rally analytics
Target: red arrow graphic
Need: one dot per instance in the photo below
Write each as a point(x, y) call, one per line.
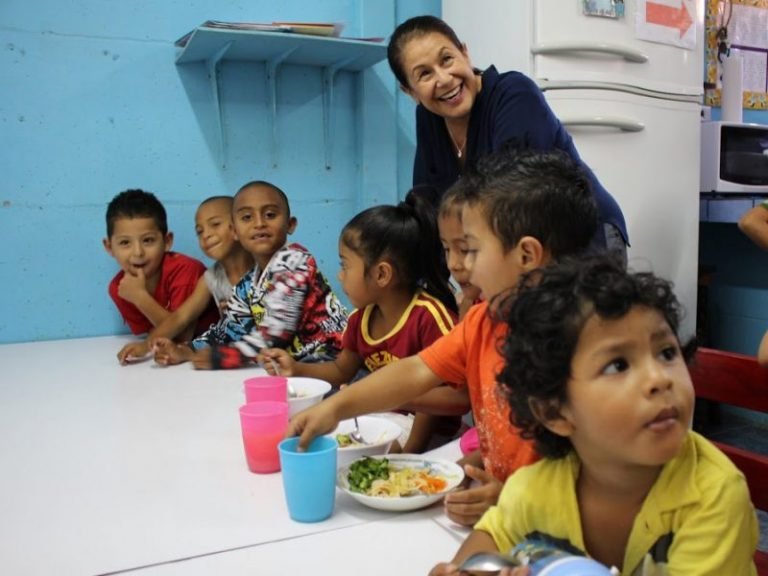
point(668, 16)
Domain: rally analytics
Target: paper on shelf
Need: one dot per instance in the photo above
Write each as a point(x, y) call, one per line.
point(308, 28)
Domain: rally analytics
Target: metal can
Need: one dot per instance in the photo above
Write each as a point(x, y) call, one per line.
point(546, 559)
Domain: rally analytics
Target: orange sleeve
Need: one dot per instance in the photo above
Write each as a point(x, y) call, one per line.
point(447, 356)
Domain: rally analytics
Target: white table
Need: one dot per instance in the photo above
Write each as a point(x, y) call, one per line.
point(108, 468)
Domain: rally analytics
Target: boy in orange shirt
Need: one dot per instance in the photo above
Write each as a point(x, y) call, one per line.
point(520, 210)
point(153, 281)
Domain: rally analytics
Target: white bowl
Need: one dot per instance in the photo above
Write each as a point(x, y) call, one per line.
point(378, 433)
point(309, 391)
point(451, 471)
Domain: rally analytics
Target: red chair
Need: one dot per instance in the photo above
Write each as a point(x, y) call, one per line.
point(737, 380)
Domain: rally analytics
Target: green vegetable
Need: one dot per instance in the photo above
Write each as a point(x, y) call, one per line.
point(363, 472)
point(344, 440)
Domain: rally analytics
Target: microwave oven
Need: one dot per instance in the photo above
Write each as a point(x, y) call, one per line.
point(734, 158)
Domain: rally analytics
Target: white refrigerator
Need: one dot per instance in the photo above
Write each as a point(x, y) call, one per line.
point(632, 107)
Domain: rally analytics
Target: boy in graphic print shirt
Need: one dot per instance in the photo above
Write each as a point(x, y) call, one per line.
point(284, 302)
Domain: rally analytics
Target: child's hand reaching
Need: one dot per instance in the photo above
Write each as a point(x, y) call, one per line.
point(167, 352)
point(466, 506)
point(285, 364)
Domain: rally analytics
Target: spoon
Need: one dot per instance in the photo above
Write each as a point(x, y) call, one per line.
point(487, 562)
point(291, 392)
point(355, 434)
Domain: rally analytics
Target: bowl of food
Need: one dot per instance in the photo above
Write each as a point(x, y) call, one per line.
point(309, 391)
point(377, 433)
point(399, 482)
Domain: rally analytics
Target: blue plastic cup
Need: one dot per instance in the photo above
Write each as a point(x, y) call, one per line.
point(309, 478)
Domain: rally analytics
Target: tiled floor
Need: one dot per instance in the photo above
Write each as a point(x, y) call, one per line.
point(740, 431)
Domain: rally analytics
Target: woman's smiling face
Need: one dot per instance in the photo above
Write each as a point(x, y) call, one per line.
point(440, 75)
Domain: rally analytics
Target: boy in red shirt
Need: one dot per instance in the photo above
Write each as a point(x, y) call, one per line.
point(153, 281)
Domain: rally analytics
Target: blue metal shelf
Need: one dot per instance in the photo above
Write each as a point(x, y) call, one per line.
point(205, 43)
point(214, 45)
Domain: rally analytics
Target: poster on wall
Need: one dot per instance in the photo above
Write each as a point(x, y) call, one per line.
point(740, 26)
point(667, 22)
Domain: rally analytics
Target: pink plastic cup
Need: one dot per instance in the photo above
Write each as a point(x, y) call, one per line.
point(266, 388)
point(264, 425)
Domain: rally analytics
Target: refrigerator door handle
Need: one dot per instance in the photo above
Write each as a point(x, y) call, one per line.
point(620, 123)
point(556, 49)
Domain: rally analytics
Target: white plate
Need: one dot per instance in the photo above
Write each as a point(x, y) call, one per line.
point(451, 471)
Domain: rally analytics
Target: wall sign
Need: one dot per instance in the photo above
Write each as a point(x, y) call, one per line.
point(667, 22)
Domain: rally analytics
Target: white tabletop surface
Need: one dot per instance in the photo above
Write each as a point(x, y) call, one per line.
point(110, 468)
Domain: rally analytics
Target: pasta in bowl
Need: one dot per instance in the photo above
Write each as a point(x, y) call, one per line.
point(399, 482)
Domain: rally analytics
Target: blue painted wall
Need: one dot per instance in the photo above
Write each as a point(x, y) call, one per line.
point(92, 103)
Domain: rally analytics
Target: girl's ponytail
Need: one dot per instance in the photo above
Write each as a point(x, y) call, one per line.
point(407, 236)
point(424, 201)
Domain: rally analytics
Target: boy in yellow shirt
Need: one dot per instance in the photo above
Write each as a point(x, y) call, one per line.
point(595, 374)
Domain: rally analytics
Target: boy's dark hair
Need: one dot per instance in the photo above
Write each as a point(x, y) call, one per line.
point(265, 184)
point(546, 315)
point(413, 28)
point(524, 192)
point(136, 203)
point(406, 236)
point(210, 199)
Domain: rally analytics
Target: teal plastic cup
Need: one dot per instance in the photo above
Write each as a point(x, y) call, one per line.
point(309, 478)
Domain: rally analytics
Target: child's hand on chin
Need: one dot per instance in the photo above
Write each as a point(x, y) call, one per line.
point(132, 286)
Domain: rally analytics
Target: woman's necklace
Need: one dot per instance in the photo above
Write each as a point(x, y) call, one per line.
point(459, 149)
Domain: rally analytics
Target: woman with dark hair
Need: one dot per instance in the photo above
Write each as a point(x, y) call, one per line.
point(464, 114)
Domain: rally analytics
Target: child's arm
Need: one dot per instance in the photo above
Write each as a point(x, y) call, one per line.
point(754, 224)
point(380, 391)
point(762, 353)
point(443, 400)
point(183, 319)
point(180, 319)
point(338, 371)
point(477, 541)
